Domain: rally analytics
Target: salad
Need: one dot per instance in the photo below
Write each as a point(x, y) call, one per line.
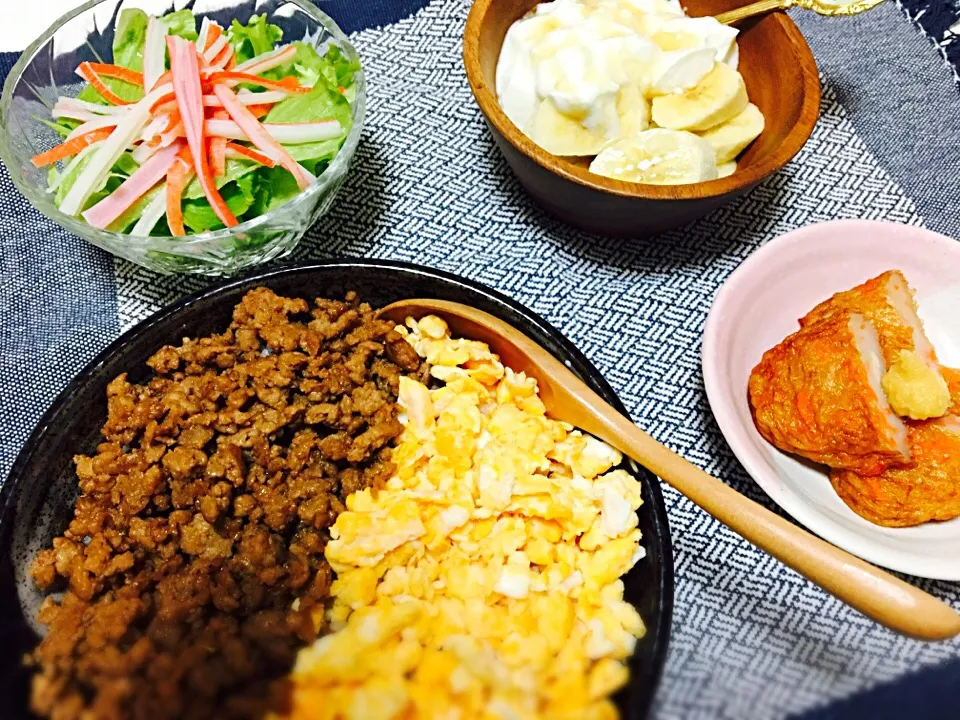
point(194, 129)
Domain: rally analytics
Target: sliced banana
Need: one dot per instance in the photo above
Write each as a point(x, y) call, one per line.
point(719, 96)
point(633, 111)
point(726, 169)
point(562, 135)
point(657, 157)
point(681, 70)
point(730, 138)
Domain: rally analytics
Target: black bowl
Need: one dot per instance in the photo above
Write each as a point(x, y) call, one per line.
point(36, 501)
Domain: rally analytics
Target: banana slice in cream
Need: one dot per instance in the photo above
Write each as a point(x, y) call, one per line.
point(730, 138)
point(561, 134)
point(718, 97)
point(658, 157)
point(726, 169)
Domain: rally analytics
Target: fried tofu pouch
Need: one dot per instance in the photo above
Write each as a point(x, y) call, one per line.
point(929, 490)
point(817, 394)
point(913, 384)
point(888, 302)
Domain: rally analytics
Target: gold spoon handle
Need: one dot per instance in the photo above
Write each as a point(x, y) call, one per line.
point(874, 592)
point(818, 6)
point(747, 11)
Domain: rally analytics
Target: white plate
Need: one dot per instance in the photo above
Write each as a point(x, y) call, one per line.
point(760, 304)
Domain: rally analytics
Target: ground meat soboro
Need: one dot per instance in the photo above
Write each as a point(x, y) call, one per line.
point(204, 513)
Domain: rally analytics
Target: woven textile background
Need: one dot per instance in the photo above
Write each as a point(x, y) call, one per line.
point(750, 639)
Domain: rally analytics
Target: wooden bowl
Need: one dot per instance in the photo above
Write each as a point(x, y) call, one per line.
point(781, 78)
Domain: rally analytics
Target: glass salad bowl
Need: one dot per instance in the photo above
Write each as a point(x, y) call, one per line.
point(46, 70)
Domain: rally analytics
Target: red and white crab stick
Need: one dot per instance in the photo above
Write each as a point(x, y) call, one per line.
point(185, 68)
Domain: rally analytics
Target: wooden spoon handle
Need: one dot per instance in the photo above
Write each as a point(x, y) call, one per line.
point(877, 594)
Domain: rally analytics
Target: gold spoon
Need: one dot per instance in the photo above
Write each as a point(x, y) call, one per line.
point(818, 6)
point(872, 591)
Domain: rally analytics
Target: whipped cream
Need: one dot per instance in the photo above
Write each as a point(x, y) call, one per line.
point(575, 75)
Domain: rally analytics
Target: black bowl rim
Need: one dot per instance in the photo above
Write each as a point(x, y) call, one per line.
point(658, 508)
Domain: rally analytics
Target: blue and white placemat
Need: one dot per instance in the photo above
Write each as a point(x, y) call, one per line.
point(750, 639)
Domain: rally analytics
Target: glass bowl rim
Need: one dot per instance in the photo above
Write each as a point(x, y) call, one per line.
point(168, 243)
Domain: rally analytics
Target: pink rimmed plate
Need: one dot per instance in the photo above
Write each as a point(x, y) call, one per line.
point(760, 304)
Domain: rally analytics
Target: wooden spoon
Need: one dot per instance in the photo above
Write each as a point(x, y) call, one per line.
point(875, 593)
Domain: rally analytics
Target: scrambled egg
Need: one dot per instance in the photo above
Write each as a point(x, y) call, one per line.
point(914, 389)
point(483, 581)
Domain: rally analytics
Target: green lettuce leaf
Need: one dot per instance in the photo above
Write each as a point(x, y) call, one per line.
point(128, 42)
point(255, 38)
point(323, 102)
point(129, 218)
point(70, 178)
point(181, 23)
point(123, 90)
point(235, 170)
point(344, 68)
point(200, 217)
point(128, 39)
point(315, 156)
point(61, 126)
point(125, 165)
point(274, 186)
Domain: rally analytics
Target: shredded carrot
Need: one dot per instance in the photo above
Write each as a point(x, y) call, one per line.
point(289, 84)
point(259, 110)
point(117, 71)
point(232, 62)
point(70, 147)
point(176, 182)
point(251, 153)
point(165, 78)
point(89, 74)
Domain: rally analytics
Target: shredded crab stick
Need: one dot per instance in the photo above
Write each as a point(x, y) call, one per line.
point(95, 172)
point(289, 133)
point(106, 121)
point(132, 189)
point(268, 60)
point(89, 72)
point(185, 65)
point(235, 151)
point(259, 136)
point(202, 35)
point(179, 174)
point(154, 53)
point(215, 49)
point(72, 165)
point(65, 106)
point(218, 156)
point(232, 77)
point(263, 98)
point(70, 147)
